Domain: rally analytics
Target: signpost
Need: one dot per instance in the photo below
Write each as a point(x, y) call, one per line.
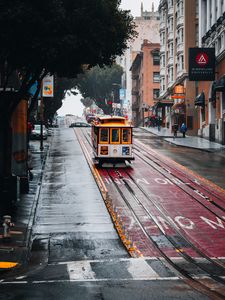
point(47, 90)
point(201, 64)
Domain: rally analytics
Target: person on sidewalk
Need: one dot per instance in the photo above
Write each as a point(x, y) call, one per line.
point(175, 129)
point(183, 129)
point(158, 123)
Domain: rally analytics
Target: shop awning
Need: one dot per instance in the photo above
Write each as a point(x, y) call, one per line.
point(220, 84)
point(163, 103)
point(200, 99)
point(180, 105)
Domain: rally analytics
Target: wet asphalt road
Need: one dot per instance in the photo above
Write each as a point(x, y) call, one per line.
point(76, 251)
point(210, 165)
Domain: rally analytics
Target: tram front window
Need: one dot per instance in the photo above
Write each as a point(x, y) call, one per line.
point(115, 136)
point(104, 135)
point(126, 135)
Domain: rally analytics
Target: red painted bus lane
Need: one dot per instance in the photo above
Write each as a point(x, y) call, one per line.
point(170, 201)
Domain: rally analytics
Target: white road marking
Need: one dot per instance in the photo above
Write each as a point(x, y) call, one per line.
point(80, 270)
point(90, 280)
point(139, 268)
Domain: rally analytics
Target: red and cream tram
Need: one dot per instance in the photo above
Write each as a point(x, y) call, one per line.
point(112, 140)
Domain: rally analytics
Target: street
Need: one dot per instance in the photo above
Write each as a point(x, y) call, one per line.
point(138, 242)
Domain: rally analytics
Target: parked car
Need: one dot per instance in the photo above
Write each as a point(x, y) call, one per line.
point(36, 132)
point(80, 124)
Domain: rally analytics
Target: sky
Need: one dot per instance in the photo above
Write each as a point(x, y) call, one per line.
point(72, 104)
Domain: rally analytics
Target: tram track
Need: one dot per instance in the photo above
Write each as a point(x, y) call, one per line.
point(212, 282)
point(196, 192)
point(204, 190)
point(192, 278)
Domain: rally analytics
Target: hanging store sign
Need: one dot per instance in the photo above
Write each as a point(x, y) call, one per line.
point(48, 86)
point(201, 64)
point(179, 89)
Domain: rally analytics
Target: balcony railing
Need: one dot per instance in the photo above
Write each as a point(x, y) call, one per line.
point(170, 35)
point(170, 10)
point(170, 60)
point(162, 24)
point(180, 21)
point(180, 47)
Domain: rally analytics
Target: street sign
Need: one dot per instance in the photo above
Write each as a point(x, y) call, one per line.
point(201, 64)
point(122, 94)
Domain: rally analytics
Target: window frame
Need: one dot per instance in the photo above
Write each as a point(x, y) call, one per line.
point(130, 136)
point(156, 79)
point(111, 142)
point(100, 141)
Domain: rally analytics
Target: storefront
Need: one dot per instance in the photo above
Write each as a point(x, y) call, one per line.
point(178, 113)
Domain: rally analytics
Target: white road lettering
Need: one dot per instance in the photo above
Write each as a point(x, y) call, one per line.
point(163, 222)
point(184, 222)
point(213, 224)
point(163, 181)
point(143, 180)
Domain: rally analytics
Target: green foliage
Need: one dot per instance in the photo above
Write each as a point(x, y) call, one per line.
point(99, 83)
point(58, 37)
point(62, 35)
point(87, 102)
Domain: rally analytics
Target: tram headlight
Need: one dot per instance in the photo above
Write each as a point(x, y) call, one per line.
point(104, 150)
point(125, 150)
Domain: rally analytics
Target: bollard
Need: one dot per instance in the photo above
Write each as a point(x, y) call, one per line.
point(7, 224)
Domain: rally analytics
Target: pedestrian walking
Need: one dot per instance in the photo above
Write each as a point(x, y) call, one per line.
point(183, 129)
point(175, 129)
point(159, 123)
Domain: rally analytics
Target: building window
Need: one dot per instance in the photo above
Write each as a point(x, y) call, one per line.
point(156, 59)
point(182, 62)
point(170, 75)
point(162, 84)
point(155, 93)
point(162, 60)
point(156, 77)
point(219, 44)
point(171, 49)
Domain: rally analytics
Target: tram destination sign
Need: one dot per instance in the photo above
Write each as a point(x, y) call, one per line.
point(201, 64)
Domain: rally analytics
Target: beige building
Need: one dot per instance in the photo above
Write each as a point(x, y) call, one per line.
point(178, 32)
point(147, 27)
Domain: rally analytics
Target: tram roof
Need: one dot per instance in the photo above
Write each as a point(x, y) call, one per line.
point(111, 121)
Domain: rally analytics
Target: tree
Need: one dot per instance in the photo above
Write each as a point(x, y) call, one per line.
point(57, 37)
point(99, 84)
point(87, 102)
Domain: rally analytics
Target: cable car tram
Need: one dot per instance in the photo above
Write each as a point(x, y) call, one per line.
point(111, 140)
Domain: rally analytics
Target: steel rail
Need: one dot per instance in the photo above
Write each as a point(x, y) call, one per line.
point(185, 188)
point(182, 174)
point(191, 279)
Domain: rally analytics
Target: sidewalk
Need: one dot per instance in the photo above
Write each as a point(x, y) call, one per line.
point(14, 251)
point(188, 141)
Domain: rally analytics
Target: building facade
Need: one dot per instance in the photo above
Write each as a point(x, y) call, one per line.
point(212, 34)
point(145, 82)
point(178, 32)
point(147, 27)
